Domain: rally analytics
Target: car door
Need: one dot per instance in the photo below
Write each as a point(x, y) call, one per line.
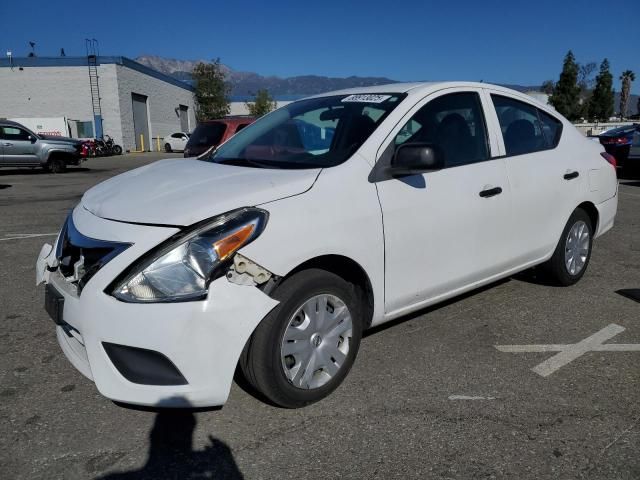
point(546, 181)
point(18, 145)
point(448, 229)
point(182, 141)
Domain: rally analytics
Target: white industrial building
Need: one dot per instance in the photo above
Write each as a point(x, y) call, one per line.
point(137, 105)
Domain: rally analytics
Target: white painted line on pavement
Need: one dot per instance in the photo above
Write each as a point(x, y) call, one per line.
point(22, 236)
point(569, 352)
point(469, 397)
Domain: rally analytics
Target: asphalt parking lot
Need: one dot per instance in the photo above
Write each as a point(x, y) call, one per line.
point(430, 396)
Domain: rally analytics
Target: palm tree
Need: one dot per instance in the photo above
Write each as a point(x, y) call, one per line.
point(627, 77)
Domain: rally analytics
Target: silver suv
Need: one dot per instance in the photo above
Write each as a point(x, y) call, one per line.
point(20, 147)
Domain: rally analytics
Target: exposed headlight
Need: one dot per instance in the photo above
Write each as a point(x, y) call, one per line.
point(181, 268)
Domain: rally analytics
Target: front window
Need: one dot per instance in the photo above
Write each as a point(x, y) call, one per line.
point(315, 133)
point(455, 124)
point(13, 133)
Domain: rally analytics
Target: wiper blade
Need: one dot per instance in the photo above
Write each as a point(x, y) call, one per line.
point(243, 162)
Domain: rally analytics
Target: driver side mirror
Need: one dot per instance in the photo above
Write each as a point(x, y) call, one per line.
point(414, 158)
point(32, 139)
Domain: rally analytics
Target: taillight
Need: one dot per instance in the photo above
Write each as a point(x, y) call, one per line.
point(609, 158)
point(614, 140)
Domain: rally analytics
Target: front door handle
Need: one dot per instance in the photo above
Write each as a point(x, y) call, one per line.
point(490, 192)
point(571, 175)
point(7, 144)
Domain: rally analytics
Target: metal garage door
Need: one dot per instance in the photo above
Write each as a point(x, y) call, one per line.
point(140, 120)
point(184, 118)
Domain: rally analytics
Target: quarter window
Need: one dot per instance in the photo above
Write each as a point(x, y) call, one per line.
point(525, 128)
point(454, 123)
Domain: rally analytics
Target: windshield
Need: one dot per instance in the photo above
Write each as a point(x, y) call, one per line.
point(319, 132)
point(207, 134)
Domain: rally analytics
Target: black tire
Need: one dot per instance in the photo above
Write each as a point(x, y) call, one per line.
point(56, 165)
point(261, 361)
point(167, 148)
point(556, 267)
point(117, 150)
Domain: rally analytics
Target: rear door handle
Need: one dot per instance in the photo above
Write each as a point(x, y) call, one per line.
point(7, 144)
point(491, 192)
point(571, 175)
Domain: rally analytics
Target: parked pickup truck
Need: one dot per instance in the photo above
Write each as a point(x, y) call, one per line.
point(20, 147)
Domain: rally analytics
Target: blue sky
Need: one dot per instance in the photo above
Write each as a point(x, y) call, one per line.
point(503, 42)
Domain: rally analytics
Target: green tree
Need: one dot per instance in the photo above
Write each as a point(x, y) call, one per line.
point(212, 92)
point(566, 93)
point(586, 81)
point(601, 103)
point(547, 87)
point(627, 77)
point(262, 104)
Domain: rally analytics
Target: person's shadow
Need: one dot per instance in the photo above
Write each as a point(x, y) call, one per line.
point(171, 453)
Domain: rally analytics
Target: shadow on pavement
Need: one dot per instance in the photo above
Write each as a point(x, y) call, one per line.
point(172, 456)
point(39, 171)
point(630, 293)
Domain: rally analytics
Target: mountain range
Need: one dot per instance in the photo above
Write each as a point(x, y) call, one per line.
point(245, 84)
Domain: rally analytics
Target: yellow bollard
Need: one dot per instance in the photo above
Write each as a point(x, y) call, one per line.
point(158, 142)
point(142, 142)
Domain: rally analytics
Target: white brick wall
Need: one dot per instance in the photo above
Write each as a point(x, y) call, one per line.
point(59, 92)
point(64, 92)
point(162, 102)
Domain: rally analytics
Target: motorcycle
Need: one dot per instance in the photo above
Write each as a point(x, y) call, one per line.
point(106, 147)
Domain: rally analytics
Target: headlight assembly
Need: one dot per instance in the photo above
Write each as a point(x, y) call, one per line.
point(181, 268)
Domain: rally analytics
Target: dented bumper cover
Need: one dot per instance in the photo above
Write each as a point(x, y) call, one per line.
point(201, 339)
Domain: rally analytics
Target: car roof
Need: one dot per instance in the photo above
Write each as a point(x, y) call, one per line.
point(11, 123)
point(414, 87)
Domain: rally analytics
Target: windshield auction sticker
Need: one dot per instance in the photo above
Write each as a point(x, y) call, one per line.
point(366, 98)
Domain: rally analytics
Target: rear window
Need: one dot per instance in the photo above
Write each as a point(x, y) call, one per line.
point(207, 134)
point(525, 128)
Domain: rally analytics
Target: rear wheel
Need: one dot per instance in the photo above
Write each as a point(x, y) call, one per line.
point(306, 346)
point(167, 148)
point(573, 252)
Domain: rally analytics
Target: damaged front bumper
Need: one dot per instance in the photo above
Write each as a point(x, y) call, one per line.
point(157, 354)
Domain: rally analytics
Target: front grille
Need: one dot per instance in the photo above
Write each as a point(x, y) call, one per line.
point(81, 257)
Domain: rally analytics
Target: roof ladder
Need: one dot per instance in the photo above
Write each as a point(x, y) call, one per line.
point(93, 62)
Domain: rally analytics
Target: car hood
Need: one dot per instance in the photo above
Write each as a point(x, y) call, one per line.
point(183, 192)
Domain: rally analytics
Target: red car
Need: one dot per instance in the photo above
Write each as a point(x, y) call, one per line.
point(212, 133)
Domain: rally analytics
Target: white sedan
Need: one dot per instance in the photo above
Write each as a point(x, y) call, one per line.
point(175, 142)
point(326, 217)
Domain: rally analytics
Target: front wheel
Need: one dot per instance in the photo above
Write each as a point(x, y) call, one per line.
point(573, 252)
point(56, 165)
point(117, 150)
point(306, 346)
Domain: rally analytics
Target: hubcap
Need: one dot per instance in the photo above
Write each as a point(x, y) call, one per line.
point(576, 248)
point(316, 341)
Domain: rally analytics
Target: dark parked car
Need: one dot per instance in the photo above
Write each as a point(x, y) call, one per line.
point(20, 147)
point(624, 144)
point(212, 133)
